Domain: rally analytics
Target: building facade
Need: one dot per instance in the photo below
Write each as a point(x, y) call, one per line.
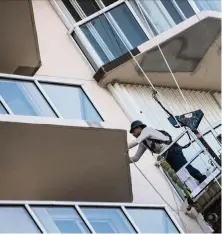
point(72, 79)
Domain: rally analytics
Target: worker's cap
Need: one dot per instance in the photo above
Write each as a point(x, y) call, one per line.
point(136, 124)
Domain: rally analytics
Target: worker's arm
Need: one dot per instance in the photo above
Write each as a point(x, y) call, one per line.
point(151, 133)
point(132, 144)
point(139, 153)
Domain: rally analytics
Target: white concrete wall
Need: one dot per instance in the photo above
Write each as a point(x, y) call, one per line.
point(62, 58)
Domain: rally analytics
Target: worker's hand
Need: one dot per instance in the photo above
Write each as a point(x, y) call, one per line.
point(157, 164)
point(130, 160)
point(159, 158)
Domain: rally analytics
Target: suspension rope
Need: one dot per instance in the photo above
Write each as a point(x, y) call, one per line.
point(151, 84)
point(174, 78)
point(177, 210)
point(170, 70)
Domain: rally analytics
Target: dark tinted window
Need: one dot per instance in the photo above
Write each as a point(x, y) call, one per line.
point(172, 11)
point(88, 6)
point(185, 7)
point(71, 10)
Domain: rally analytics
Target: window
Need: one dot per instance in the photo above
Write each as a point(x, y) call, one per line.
point(203, 163)
point(208, 5)
point(104, 38)
point(190, 151)
point(88, 6)
point(108, 2)
point(154, 10)
point(71, 102)
point(60, 220)
point(152, 220)
point(172, 11)
point(16, 220)
point(71, 10)
point(24, 98)
point(185, 7)
point(108, 220)
point(212, 141)
point(2, 109)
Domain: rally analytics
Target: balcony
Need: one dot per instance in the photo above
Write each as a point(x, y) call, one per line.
point(18, 43)
point(192, 49)
point(54, 150)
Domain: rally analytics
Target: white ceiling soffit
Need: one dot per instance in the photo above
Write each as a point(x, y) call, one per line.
point(192, 49)
point(18, 42)
point(51, 159)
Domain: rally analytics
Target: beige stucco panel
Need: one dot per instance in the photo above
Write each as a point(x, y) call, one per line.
point(61, 57)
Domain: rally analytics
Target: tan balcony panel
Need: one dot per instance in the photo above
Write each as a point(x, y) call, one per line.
point(41, 161)
point(18, 41)
point(192, 50)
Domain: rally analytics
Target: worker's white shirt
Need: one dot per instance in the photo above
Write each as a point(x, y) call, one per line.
point(147, 134)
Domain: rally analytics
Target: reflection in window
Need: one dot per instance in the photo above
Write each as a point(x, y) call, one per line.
point(2, 109)
point(88, 6)
point(185, 7)
point(152, 220)
point(218, 130)
point(108, 2)
point(60, 220)
point(213, 142)
point(24, 98)
point(108, 220)
point(203, 164)
point(190, 151)
point(172, 11)
point(71, 10)
point(105, 40)
point(16, 220)
point(209, 5)
point(71, 102)
point(147, 23)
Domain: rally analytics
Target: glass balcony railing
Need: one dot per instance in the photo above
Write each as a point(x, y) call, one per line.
point(62, 217)
point(105, 32)
point(199, 163)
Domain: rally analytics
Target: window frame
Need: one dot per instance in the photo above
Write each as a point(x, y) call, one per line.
point(37, 80)
point(38, 88)
point(74, 27)
point(27, 211)
point(81, 87)
point(77, 206)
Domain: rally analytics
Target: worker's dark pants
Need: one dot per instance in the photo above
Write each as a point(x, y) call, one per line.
point(177, 160)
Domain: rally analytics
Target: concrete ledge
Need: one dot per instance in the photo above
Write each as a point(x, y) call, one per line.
point(46, 159)
point(18, 42)
point(192, 49)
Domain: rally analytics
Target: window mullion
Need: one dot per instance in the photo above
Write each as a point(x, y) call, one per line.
point(164, 12)
point(179, 10)
point(52, 106)
point(94, 32)
point(101, 42)
point(120, 32)
point(146, 28)
point(78, 8)
point(194, 6)
point(124, 210)
point(35, 218)
point(63, 12)
point(100, 4)
point(92, 52)
point(5, 105)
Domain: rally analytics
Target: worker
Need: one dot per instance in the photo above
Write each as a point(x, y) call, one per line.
point(156, 142)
